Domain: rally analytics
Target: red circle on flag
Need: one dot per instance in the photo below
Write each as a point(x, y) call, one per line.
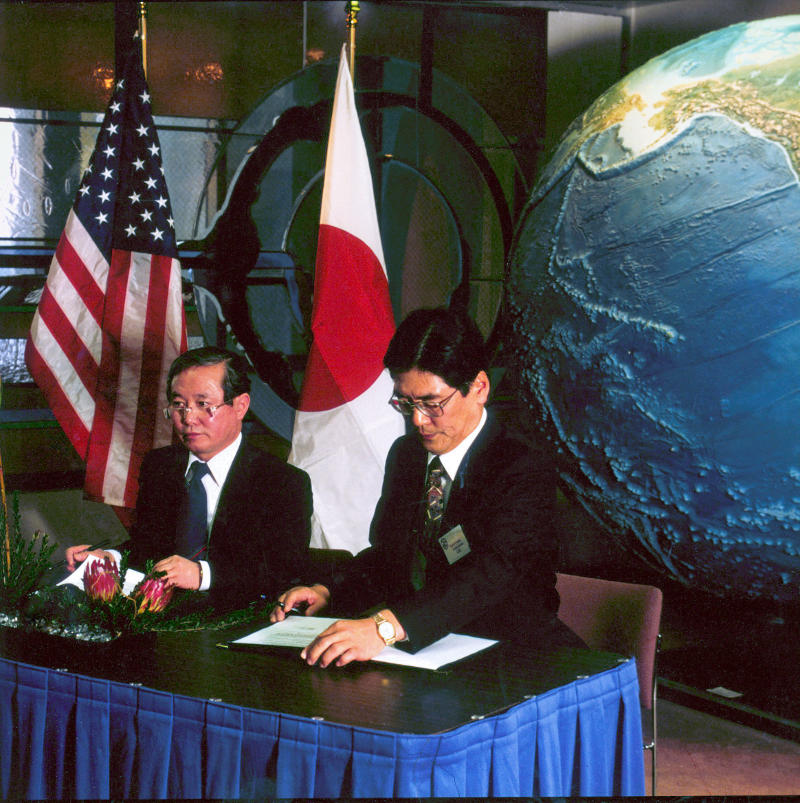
point(352, 322)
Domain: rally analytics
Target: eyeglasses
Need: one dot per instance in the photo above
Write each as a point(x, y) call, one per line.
point(202, 408)
point(429, 409)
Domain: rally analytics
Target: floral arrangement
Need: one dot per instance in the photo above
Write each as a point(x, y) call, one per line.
point(111, 608)
point(29, 600)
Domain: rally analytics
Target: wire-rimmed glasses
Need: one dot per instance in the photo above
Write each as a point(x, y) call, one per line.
point(202, 408)
point(427, 408)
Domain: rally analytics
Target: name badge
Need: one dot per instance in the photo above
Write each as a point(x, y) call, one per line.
point(454, 544)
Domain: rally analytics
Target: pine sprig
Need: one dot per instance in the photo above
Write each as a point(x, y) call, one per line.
point(24, 563)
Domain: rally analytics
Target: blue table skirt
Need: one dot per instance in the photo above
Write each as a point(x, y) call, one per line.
point(64, 735)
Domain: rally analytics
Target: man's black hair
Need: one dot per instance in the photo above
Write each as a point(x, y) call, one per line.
point(235, 381)
point(440, 341)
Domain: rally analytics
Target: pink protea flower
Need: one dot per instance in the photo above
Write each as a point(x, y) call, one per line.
point(101, 580)
point(152, 594)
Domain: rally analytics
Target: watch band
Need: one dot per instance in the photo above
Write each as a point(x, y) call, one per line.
point(385, 629)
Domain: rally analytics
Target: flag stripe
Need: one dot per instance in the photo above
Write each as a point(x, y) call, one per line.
point(67, 339)
point(86, 320)
point(130, 278)
point(108, 380)
point(74, 268)
point(93, 261)
point(151, 376)
point(67, 409)
point(57, 363)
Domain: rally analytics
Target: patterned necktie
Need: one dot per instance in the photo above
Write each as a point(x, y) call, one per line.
point(193, 522)
point(434, 496)
point(434, 508)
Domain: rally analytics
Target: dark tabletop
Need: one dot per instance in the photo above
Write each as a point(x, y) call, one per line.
point(372, 695)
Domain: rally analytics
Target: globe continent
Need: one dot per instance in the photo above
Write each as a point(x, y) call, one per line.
point(653, 310)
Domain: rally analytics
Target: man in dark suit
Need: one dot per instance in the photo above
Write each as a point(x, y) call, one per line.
point(462, 537)
point(251, 525)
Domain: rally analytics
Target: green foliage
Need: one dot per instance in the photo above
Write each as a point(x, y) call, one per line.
point(71, 612)
point(184, 613)
point(23, 563)
point(188, 610)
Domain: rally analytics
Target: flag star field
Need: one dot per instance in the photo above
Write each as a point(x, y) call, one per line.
point(122, 200)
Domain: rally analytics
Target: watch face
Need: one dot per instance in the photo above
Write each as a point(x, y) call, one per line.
point(386, 630)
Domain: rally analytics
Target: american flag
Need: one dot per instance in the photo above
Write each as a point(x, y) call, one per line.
point(111, 319)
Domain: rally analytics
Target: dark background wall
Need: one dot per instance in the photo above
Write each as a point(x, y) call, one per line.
point(533, 66)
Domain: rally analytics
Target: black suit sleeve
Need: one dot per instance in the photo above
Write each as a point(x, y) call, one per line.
point(506, 584)
point(261, 529)
point(373, 575)
point(260, 537)
point(503, 499)
point(152, 535)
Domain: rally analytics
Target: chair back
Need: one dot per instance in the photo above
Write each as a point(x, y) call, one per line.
point(615, 617)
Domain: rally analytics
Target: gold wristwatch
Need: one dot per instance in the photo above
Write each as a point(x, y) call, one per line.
point(385, 630)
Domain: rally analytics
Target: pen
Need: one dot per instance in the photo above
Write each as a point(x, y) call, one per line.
point(301, 609)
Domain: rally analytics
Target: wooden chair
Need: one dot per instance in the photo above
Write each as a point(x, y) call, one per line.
point(618, 617)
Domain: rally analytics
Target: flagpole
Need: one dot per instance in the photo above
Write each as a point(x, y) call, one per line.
point(6, 535)
point(143, 34)
point(352, 21)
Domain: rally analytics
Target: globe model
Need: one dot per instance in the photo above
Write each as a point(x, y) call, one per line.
point(654, 310)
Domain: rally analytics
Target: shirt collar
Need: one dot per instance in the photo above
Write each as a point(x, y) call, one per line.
point(220, 464)
point(452, 460)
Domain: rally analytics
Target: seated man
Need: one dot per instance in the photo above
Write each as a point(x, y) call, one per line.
point(217, 513)
point(462, 539)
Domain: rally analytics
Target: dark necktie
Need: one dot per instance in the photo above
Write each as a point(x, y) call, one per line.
point(434, 497)
point(193, 522)
point(434, 508)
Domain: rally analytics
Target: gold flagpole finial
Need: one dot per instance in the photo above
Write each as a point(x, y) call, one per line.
point(143, 34)
point(352, 19)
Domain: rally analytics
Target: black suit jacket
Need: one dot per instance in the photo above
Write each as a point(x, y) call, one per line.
point(260, 533)
point(503, 498)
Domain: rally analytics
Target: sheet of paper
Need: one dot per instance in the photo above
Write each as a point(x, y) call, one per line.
point(132, 577)
point(298, 631)
point(293, 631)
point(452, 647)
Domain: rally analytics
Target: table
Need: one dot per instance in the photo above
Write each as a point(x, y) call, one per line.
point(174, 716)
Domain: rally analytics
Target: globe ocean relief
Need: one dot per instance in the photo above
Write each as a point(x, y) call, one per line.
point(653, 310)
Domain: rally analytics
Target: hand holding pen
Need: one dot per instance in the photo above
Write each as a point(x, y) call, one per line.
point(299, 608)
point(79, 553)
point(312, 599)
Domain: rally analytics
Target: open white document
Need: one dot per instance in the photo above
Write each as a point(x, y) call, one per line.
point(298, 631)
point(132, 577)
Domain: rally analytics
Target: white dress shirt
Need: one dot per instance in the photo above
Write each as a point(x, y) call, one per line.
point(452, 460)
point(218, 468)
